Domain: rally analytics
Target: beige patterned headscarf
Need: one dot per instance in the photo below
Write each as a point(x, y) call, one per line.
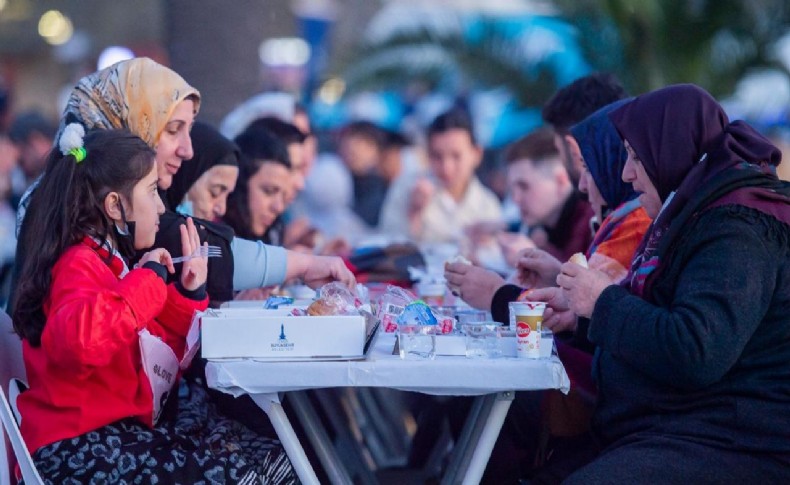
point(137, 94)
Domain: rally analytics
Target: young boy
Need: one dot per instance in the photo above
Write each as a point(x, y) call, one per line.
point(436, 208)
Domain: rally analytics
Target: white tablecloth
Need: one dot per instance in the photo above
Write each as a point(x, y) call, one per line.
point(456, 376)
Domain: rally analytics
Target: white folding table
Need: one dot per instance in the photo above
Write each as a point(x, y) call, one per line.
point(493, 381)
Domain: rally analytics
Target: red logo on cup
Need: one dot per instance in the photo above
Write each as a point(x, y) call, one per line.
point(522, 329)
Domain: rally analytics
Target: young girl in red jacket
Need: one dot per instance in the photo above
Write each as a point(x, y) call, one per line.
point(104, 343)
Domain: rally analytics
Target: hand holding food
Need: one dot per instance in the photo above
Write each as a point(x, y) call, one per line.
point(579, 259)
point(582, 287)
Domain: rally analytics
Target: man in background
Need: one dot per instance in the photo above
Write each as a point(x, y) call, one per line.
point(436, 207)
point(32, 134)
point(571, 105)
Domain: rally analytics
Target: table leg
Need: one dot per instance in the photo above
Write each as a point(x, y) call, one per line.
point(462, 452)
point(316, 433)
point(480, 432)
point(487, 439)
point(288, 438)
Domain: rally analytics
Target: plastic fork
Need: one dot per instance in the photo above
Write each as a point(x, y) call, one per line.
point(202, 252)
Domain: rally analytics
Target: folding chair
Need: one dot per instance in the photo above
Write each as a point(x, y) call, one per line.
point(13, 450)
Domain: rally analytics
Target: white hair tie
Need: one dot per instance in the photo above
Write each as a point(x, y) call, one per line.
point(71, 142)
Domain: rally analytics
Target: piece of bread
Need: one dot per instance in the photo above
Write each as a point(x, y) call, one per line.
point(579, 259)
point(459, 259)
point(319, 308)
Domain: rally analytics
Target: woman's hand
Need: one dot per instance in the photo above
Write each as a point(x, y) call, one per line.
point(161, 256)
point(582, 287)
point(317, 271)
point(194, 271)
point(537, 269)
point(558, 317)
point(475, 285)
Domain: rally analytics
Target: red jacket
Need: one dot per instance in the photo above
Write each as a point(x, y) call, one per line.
point(87, 373)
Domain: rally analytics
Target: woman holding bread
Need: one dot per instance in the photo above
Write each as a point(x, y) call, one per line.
point(624, 224)
point(693, 351)
point(614, 201)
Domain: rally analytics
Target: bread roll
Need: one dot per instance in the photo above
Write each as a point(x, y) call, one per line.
point(319, 308)
point(460, 259)
point(579, 259)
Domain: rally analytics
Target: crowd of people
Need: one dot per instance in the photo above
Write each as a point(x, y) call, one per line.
point(676, 337)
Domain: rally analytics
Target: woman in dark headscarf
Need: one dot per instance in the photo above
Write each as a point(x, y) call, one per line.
point(201, 186)
point(624, 220)
point(624, 224)
point(693, 352)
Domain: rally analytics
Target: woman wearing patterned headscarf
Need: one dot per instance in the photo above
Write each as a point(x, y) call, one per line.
point(157, 105)
point(694, 349)
point(152, 101)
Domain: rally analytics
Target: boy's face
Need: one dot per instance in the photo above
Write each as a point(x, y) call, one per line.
point(537, 191)
point(360, 154)
point(453, 159)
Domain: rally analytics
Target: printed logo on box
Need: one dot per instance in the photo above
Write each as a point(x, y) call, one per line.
point(282, 344)
point(522, 329)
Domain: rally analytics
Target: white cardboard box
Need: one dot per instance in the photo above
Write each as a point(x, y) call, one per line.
point(276, 335)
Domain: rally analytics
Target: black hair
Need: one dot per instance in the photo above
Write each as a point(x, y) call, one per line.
point(67, 206)
point(365, 130)
point(287, 132)
point(395, 140)
point(455, 118)
point(580, 99)
point(258, 146)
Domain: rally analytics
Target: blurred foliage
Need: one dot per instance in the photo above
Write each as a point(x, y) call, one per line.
point(451, 62)
point(652, 43)
point(647, 43)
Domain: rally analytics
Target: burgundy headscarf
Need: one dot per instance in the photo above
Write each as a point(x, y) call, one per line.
point(684, 140)
point(672, 128)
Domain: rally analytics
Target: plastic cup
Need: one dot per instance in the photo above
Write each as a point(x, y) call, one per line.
point(417, 341)
point(470, 315)
point(482, 340)
point(526, 318)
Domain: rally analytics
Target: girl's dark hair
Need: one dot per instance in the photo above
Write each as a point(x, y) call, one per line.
point(66, 206)
point(258, 146)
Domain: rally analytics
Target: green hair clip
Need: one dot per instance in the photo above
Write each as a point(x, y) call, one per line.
point(78, 153)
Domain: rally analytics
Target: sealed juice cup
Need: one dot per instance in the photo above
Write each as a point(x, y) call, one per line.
point(526, 318)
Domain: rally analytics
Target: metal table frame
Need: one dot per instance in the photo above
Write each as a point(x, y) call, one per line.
point(480, 432)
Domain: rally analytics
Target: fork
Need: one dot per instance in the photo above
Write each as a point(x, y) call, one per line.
point(202, 252)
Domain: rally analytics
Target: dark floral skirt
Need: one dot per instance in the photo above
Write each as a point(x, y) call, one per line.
point(199, 446)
